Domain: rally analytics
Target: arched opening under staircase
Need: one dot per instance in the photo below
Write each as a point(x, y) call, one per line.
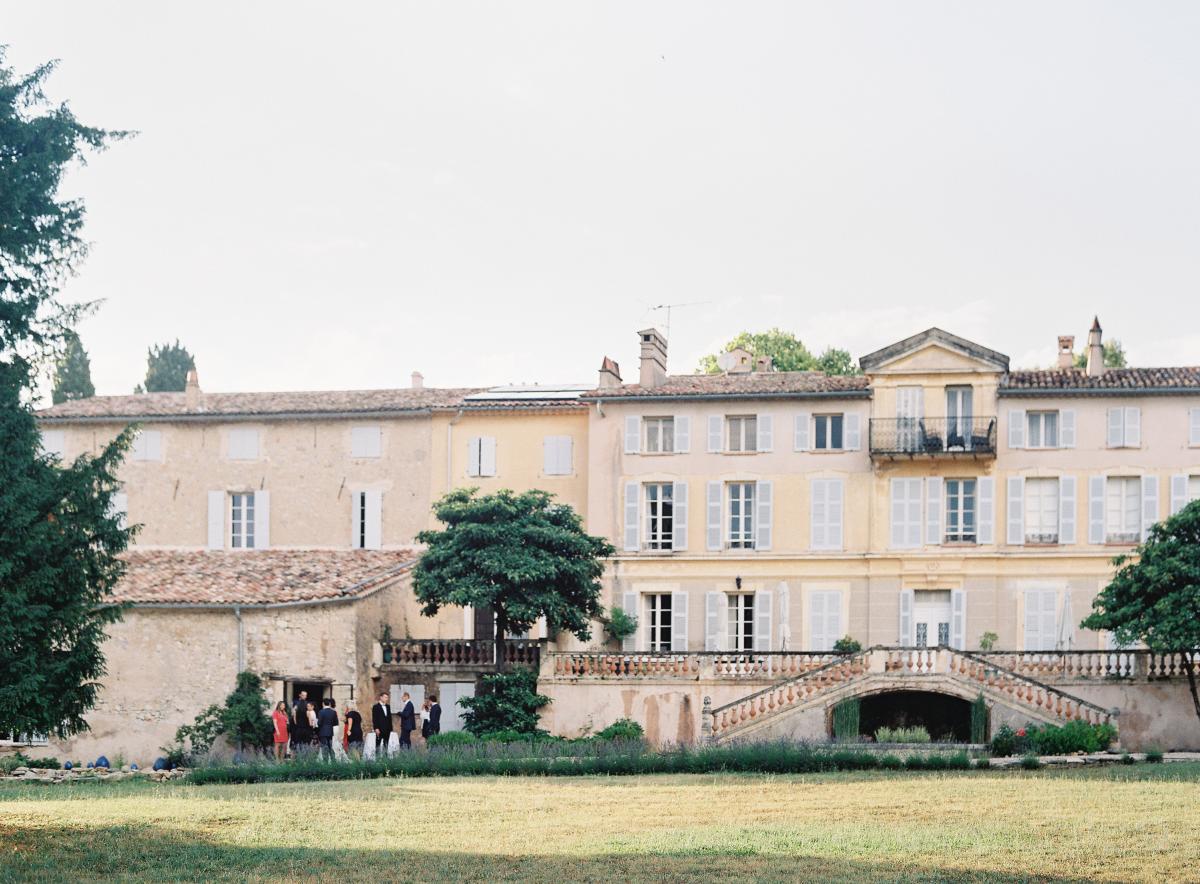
point(945, 717)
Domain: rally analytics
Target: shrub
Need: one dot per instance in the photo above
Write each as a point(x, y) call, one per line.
point(936, 762)
point(506, 701)
point(846, 720)
point(891, 762)
point(847, 645)
point(1031, 762)
point(979, 720)
point(450, 738)
point(983, 763)
point(620, 625)
point(959, 761)
point(44, 763)
point(1126, 758)
point(988, 640)
point(1050, 739)
point(622, 729)
point(902, 735)
point(1154, 756)
point(916, 762)
point(9, 763)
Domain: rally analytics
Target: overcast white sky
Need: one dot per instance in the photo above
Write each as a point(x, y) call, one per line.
point(330, 195)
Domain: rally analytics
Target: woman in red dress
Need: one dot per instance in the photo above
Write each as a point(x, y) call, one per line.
point(279, 718)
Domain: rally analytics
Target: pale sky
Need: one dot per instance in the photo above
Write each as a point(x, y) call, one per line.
point(331, 195)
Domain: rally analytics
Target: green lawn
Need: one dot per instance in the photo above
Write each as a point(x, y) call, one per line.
point(1115, 823)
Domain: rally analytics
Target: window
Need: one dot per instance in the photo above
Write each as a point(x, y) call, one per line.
point(1042, 429)
point(741, 622)
point(660, 516)
point(366, 512)
point(1041, 510)
point(242, 521)
point(1193, 488)
point(658, 621)
point(147, 445)
point(1124, 427)
point(741, 433)
point(659, 435)
point(481, 456)
point(366, 441)
point(828, 429)
point(556, 456)
point(243, 444)
point(960, 510)
point(19, 739)
point(741, 515)
point(54, 442)
point(1123, 509)
point(359, 502)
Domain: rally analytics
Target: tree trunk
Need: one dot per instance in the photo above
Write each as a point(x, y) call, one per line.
point(501, 631)
point(1189, 662)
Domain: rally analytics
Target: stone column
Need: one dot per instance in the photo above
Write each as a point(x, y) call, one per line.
point(706, 722)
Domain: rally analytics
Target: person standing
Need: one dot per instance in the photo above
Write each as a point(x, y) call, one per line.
point(327, 721)
point(354, 734)
point(435, 715)
point(381, 722)
point(281, 725)
point(299, 719)
point(408, 721)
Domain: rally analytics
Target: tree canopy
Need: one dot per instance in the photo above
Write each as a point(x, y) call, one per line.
point(1114, 355)
point(1154, 597)
point(525, 556)
point(787, 353)
point(72, 372)
point(167, 366)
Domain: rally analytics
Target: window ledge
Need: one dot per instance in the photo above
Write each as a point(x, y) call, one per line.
point(742, 453)
point(659, 453)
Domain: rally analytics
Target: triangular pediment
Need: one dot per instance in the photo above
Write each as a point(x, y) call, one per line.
point(934, 350)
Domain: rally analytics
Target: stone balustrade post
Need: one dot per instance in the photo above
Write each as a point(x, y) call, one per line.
point(706, 722)
point(877, 660)
point(707, 668)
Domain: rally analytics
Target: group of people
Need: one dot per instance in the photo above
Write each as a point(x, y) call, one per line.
point(306, 728)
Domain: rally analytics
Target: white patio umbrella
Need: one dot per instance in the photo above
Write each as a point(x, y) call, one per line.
point(1066, 624)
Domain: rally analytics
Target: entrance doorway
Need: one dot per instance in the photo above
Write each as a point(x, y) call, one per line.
point(946, 718)
point(931, 617)
point(317, 691)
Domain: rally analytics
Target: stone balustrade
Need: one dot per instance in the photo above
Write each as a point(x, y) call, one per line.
point(1023, 689)
point(1092, 665)
point(701, 665)
point(458, 653)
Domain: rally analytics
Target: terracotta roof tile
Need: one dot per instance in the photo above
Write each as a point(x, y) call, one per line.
point(255, 577)
point(749, 385)
point(1114, 380)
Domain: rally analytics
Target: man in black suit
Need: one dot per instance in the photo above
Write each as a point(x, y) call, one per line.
point(435, 715)
point(299, 720)
point(381, 721)
point(327, 722)
point(408, 721)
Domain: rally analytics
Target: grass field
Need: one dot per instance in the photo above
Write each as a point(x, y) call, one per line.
point(1113, 824)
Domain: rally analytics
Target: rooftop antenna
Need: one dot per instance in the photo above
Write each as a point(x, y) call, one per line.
point(668, 307)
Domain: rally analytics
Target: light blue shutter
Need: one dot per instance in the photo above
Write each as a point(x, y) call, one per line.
point(762, 620)
point(715, 425)
point(632, 511)
point(766, 434)
point(712, 620)
point(216, 520)
point(1067, 509)
point(679, 622)
point(679, 509)
point(852, 438)
point(713, 516)
point(803, 428)
point(1095, 509)
point(906, 627)
point(1066, 428)
point(958, 619)
point(683, 434)
point(987, 509)
point(933, 510)
point(633, 434)
point(1016, 428)
point(1016, 510)
point(262, 519)
point(762, 521)
point(1149, 504)
point(629, 602)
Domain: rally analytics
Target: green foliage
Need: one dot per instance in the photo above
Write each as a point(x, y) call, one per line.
point(1154, 756)
point(167, 366)
point(1031, 762)
point(902, 735)
point(72, 372)
point(988, 640)
point(622, 729)
point(847, 645)
point(448, 739)
point(835, 361)
point(846, 719)
point(620, 625)
point(1154, 597)
point(505, 701)
point(196, 739)
point(1126, 758)
point(1114, 355)
point(243, 720)
point(787, 353)
point(891, 762)
point(979, 720)
point(9, 763)
point(1052, 739)
point(524, 556)
point(982, 763)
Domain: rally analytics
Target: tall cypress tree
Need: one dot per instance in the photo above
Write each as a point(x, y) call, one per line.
point(167, 366)
point(72, 372)
point(59, 539)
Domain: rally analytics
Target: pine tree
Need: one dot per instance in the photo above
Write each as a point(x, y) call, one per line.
point(167, 366)
point(72, 372)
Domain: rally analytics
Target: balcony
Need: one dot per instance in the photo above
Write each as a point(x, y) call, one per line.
point(933, 437)
point(458, 655)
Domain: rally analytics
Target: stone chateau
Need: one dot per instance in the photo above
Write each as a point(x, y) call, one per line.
point(953, 515)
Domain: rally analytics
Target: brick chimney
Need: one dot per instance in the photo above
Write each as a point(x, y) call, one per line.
point(610, 374)
point(1066, 351)
point(191, 390)
point(1095, 354)
point(418, 381)
point(763, 363)
point(654, 358)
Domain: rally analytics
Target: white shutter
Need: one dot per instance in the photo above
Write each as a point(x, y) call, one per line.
point(566, 455)
point(800, 438)
point(906, 618)
point(1194, 427)
point(712, 514)
point(633, 434)
point(243, 444)
point(1049, 618)
point(356, 506)
point(1116, 427)
point(958, 619)
point(54, 442)
point(1016, 428)
point(216, 520)
point(987, 509)
point(1133, 427)
point(473, 456)
point(712, 620)
point(683, 434)
point(1067, 510)
point(1041, 610)
point(819, 514)
point(715, 424)
point(785, 632)
point(818, 639)
point(1179, 493)
point(632, 512)
point(762, 620)
point(906, 513)
point(763, 509)
point(833, 514)
point(1015, 507)
point(679, 622)
point(366, 441)
point(679, 512)
point(550, 456)
point(852, 435)
point(118, 508)
point(833, 618)
point(933, 510)
point(1066, 428)
point(487, 456)
point(1095, 509)
point(766, 432)
point(1149, 504)
point(629, 601)
point(262, 519)
point(374, 528)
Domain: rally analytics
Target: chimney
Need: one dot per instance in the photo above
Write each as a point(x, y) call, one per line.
point(610, 374)
point(191, 390)
point(763, 363)
point(1095, 355)
point(1066, 351)
point(418, 381)
point(654, 358)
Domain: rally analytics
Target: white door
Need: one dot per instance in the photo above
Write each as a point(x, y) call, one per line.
point(958, 417)
point(910, 408)
point(451, 693)
point(931, 618)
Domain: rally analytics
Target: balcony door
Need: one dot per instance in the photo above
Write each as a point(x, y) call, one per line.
point(959, 412)
point(931, 618)
point(910, 408)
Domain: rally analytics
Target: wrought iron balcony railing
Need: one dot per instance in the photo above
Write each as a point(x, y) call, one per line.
point(933, 437)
